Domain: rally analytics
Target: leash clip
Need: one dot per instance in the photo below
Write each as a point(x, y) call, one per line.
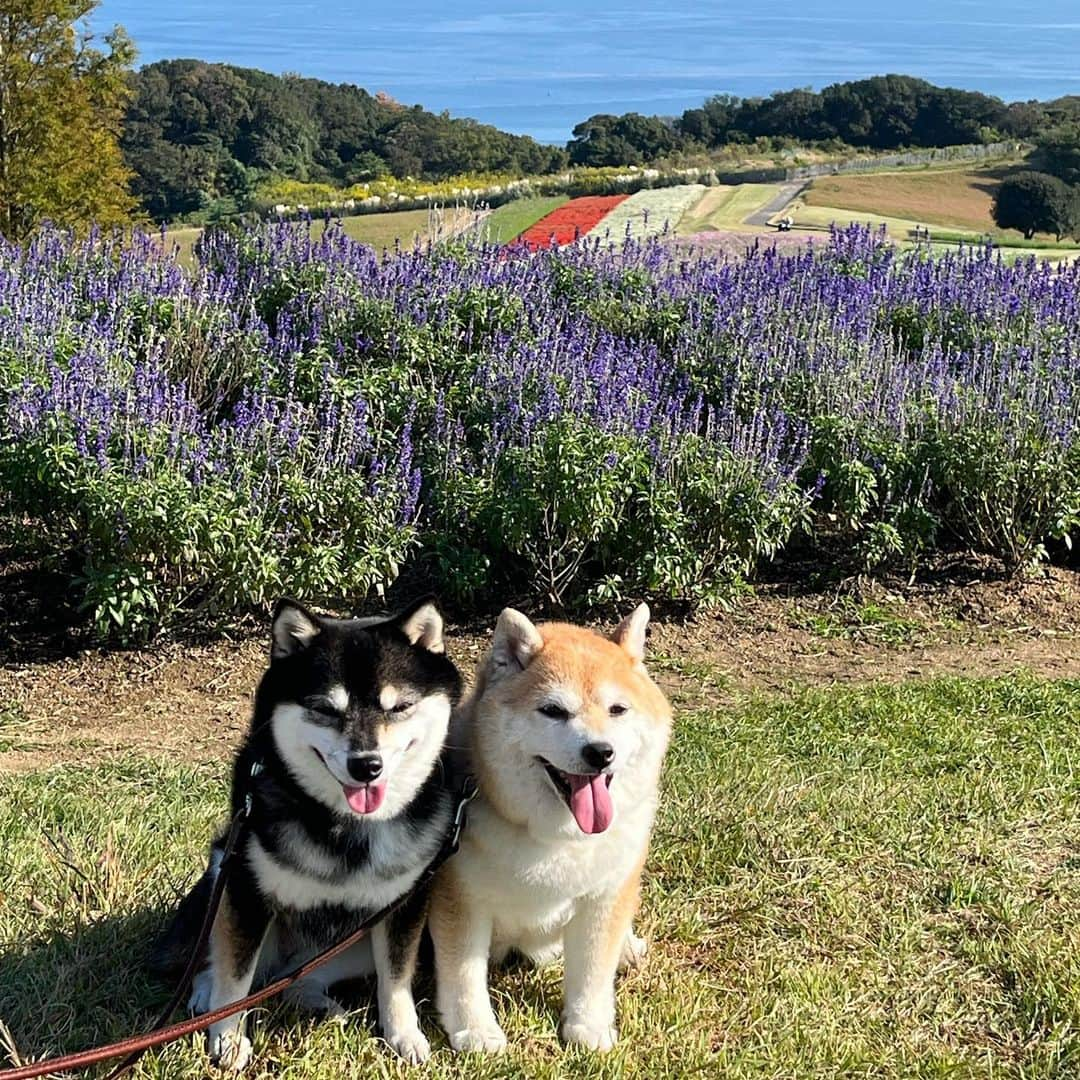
point(468, 793)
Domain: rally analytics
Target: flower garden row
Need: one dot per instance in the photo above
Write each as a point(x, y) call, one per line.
point(574, 424)
point(291, 198)
point(649, 212)
point(652, 198)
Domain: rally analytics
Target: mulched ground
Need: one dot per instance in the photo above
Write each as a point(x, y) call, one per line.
point(62, 702)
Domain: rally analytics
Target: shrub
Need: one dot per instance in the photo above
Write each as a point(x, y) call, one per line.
point(575, 425)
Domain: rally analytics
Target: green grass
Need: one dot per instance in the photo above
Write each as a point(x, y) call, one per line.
point(943, 239)
point(883, 623)
point(1010, 240)
point(184, 239)
point(726, 207)
point(15, 731)
point(511, 219)
point(385, 230)
point(873, 882)
point(379, 230)
point(899, 228)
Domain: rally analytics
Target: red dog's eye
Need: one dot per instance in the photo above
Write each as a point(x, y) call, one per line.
point(553, 711)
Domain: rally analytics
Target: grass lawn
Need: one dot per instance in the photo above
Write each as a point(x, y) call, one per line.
point(379, 230)
point(957, 199)
point(511, 219)
point(952, 197)
point(726, 207)
point(845, 882)
point(1011, 244)
point(404, 226)
point(184, 239)
point(898, 228)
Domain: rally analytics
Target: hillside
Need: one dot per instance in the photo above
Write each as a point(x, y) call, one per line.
point(200, 137)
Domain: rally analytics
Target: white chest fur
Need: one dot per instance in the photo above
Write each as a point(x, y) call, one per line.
point(313, 879)
point(529, 885)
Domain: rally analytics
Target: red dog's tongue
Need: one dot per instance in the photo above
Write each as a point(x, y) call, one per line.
point(590, 802)
point(366, 799)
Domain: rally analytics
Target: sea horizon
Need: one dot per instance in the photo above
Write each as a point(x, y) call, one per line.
point(542, 70)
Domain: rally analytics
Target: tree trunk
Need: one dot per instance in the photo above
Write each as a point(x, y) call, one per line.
point(5, 207)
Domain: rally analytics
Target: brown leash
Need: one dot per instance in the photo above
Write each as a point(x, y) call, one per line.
point(134, 1047)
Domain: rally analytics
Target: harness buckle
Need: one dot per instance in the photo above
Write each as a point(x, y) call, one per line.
point(256, 768)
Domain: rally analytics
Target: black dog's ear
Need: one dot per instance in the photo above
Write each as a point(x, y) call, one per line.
point(294, 629)
point(422, 624)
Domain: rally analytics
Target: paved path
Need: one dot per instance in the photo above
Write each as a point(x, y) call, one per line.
point(775, 205)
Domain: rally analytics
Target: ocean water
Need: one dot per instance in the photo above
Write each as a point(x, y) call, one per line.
point(544, 65)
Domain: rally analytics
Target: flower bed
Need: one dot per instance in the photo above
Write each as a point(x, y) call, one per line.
point(575, 425)
point(569, 222)
point(651, 212)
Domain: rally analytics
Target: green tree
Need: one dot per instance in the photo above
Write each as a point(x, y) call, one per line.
point(630, 139)
point(1059, 152)
point(61, 110)
point(1036, 202)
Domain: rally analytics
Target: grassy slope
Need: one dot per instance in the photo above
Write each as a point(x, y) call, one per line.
point(844, 882)
point(726, 207)
point(899, 228)
point(511, 219)
point(378, 230)
point(956, 200)
point(821, 217)
point(185, 240)
point(959, 198)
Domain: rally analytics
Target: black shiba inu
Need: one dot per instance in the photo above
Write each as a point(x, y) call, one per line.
point(349, 803)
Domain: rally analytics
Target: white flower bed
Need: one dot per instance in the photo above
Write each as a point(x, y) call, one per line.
point(647, 212)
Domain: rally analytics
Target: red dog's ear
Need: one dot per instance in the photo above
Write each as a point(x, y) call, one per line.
point(515, 644)
point(630, 633)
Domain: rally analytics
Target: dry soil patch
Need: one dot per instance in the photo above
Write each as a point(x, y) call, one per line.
point(192, 702)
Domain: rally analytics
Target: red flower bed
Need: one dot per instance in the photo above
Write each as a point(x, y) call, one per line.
point(569, 221)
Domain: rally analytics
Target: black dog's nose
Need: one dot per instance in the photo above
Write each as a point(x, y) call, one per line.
point(598, 754)
point(365, 767)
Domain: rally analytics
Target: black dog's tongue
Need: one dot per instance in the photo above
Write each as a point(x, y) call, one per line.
point(366, 799)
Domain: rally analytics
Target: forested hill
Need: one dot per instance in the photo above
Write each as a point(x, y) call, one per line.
point(200, 138)
point(198, 133)
point(885, 112)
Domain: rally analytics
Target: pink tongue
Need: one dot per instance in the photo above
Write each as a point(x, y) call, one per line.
point(366, 799)
point(590, 802)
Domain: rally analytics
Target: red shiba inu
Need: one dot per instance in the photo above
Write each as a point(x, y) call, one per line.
point(566, 734)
